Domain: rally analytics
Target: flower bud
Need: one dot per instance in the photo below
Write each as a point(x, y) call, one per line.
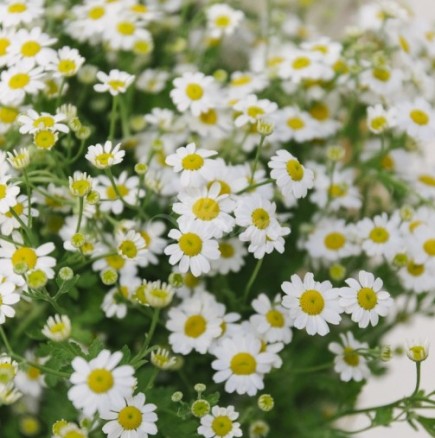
point(200, 408)
point(177, 396)
point(417, 351)
point(66, 273)
point(265, 127)
point(109, 277)
point(36, 279)
point(140, 168)
point(266, 402)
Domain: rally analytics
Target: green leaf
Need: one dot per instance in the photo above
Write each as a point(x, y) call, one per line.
point(383, 416)
point(428, 424)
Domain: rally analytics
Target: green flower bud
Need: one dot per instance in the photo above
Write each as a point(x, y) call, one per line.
point(66, 273)
point(266, 402)
point(177, 396)
point(200, 408)
point(109, 277)
point(37, 279)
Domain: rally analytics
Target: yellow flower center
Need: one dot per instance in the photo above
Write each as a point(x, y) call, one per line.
point(241, 80)
point(418, 353)
point(221, 425)
point(17, 8)
point(295, 123)
point(378, 123)
point(312, 302)
point(379, 235)
point(319, 111)
point(275, 318)
point(274, 61)
point(74, 434)
point(334, 241)
point(367, 298)
point(128, 249)
point(3, 191)
point(146, 237)
point(206, 209)
point(195, 326)
point(414, 269)
point(404, 44)
point(4, 44)
point(96, 13)
point(209, 117)
point(59, 327)
point(104, 158)
point(19, 80)
point(18, 209)
point(243, 364)
point(190, 244)
point(130, 418)
point(381, 74)
point(7, 370)
point(419, 117)
point(260, 218)
point(66, 67)
point(226, 249)
point(100, 380)
point(295, 170)
point(222, 21)
point(142, 47)
point(429, 247)
point(139, 9)
point(81, 186)
point(337, 190)
point(45, 139)
point(25, 255)
point(427, 179)
point(115, 261)
point(30, 49)
point(43, 121)
point(190, 280)
point(116, 84)
point(192, 162)
point(126, 28)
point(194, 91)
point(8, 115)
point(301, 63)
point(122, 189)
point(33, 373)
point(351, 357)
point(255, 111)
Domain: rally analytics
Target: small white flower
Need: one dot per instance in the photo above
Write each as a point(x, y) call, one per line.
point(349, 362)
point(417, 119)
point(379, 119)
point(130, 245)
point(32, 121)
point(130, 417)
point(221, 423)
point(8, 298)
point(99, 384)
point(116, 82)
point(364, 299)
point(223, 20)
point(57, 328)
point(104, 156)
point(312, 304)
point(252, 109)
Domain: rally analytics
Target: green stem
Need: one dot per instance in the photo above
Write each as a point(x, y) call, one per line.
point(113, 118)
point(152, 378)
point(313, 369)
point(5, 341)
point(254, 186)
point(144, 349)
point(79, 220)
point(418, 378)
point(257, 157)
point(29, 195)
point(23, 225)
point(252, 279)
point(124, 118)
point(78, 154)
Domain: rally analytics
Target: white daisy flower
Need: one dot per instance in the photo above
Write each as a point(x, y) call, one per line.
point(100, 384)
point(220, 423)
point(417, 277)
point(104, 156)
point(382, 81)
point(223, 20)
point(158, 294)
point(232, 256)
point(380, 119)
point(194, 249)
point(421, 244)
point(151, 232)
point(32, 44)
point(130, 245)
point(8, 298)
point(213, 123)
point(250, 109)
point(380, 235)
point(417, 119)
point(194, 324)
point(131, 417)
point(272, 321)
point(349, 362)
point(57, 328)
point(122, 31)
point(33, 258)
point(116, 82)
point(193, 164)
point(292, 178)
point(312, 304)
point(194, 91)
point(113, 304)
point(241, 364)
point(32, 121)
point(293, 124)
point(206, 206)
point(6, 37)
point(152, 81)
point(274, 242)
point(16, 12)
point(8, 194)
point(21, 79)
point(30, 380)
point(66, 62)
point(364, 299)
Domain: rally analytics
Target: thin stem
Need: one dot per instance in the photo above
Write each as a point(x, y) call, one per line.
point(252, 279)
point(418, 377)
point(5, 341)
point(23, 225)
point(313, 369)
point(78, 154)
point(152, 378)
point(257, 157)
point(113, 118)
point(254, 186)
point(29, 195)
point(79, 220)
point(144, 350)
